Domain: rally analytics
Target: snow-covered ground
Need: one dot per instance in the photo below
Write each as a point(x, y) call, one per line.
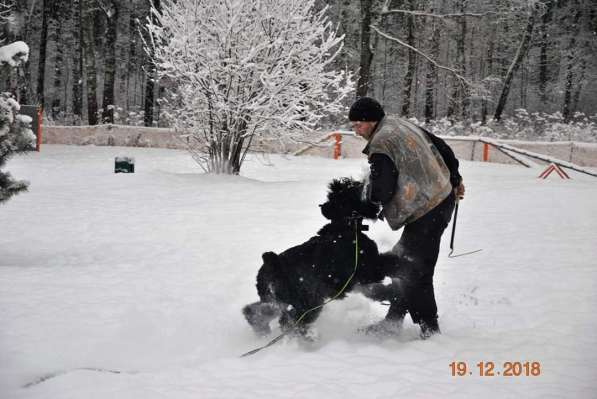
point(146, 274)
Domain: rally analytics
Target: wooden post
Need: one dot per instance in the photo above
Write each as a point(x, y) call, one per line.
point(485, 152)
point(337, 145)
point(39, 132)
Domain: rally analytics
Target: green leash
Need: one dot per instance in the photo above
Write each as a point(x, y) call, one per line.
point(297, 322)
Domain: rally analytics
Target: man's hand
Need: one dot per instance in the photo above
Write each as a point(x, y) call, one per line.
point(459, 191)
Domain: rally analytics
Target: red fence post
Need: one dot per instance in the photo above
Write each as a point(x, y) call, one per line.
point(337, 146)
point(38, 142)
point(485, 152)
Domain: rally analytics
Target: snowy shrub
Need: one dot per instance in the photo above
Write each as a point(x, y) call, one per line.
point(236, 69)
point(445, 127)
point(134, 116)
point(442, 126)
point(537, 126)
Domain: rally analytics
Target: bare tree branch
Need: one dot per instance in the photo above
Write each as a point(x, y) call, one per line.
point(461, 78)
point(107, 6)
point(6, 5)
point(386, 5)
point(441, 16)
point(6, 10)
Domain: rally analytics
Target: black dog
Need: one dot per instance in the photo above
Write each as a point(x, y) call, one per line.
point(301, 278)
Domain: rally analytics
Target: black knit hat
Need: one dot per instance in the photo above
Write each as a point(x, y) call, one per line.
point(366, 109)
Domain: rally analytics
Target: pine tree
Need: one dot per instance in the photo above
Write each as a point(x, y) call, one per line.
point(15, 135)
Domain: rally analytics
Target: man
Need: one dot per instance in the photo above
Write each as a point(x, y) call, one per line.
point(414, 175)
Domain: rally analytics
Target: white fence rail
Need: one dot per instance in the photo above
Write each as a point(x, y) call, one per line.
point(466, 148)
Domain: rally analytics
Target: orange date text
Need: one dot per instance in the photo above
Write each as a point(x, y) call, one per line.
point(489, 369)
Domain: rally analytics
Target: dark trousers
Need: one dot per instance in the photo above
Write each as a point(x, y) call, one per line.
point(417, 250)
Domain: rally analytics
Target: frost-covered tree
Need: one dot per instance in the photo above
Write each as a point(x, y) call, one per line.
point(15, 135)
point(533, 8)
point(236, 69)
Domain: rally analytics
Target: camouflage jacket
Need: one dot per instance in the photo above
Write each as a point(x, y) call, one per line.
point(423, 179)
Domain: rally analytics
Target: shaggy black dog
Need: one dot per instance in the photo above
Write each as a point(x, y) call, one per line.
point(305, 276)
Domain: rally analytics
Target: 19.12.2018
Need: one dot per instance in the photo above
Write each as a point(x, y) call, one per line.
point(488, 369)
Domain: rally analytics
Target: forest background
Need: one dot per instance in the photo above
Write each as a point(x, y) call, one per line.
point(461, 65)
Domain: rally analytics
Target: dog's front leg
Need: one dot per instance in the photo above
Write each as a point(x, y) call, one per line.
point(260, 314)
point(300, 319)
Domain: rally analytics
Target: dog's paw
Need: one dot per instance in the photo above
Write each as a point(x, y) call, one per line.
point(259, 315)
point(382, 329)
point(302, 333)
point(307, 337)
point(310, 334)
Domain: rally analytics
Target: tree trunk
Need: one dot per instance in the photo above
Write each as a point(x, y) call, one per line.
point(411, 63)
point(70, 17)
point(89, 59)
point(122, 53)
point(431, 78)
point(41, 70)
point(545, 45)
point(150, 81)
point(387, 64)
point(463, 89)
point(366, 53)
point(133, 61)
point(384, 81)
point(520, 54)
point(149, 95)
point(503, 45)
point(523, 85)
point(566, 108)
point(574, 29)
point(77, 66)
point(227, 149)
point(488, 72)
point(60, 16)
point(580, 84)
point(458, 106)
point(110, 65)
point(24, 80)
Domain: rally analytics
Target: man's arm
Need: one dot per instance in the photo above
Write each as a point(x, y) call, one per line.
point(449, 158)
point(382, 179)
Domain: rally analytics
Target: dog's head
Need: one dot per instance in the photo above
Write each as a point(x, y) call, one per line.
point(344, 201)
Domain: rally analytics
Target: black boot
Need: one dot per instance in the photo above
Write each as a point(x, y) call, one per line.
point(391, 325)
